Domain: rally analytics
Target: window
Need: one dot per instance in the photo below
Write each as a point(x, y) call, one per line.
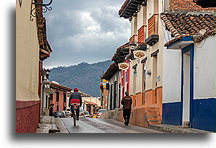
point(144, 76)
point(65, 97)
point(57, 96)
point(51, 97)
point(154, 72)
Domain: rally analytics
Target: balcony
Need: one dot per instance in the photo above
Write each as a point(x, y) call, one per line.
point(152, 30)
point(141, 34)
point(153, 25)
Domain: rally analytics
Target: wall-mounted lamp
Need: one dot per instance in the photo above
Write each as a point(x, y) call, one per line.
point(148, 72)
point(45, 7)
point(132, 46)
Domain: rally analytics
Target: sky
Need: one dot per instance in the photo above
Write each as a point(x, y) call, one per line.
point(84, 31)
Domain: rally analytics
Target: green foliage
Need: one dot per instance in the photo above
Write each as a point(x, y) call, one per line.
point(84, 76)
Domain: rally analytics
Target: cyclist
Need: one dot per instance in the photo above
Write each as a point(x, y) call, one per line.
point(75, 97)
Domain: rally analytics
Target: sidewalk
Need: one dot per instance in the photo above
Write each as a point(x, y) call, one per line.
point(49, 124)
point(177, 129)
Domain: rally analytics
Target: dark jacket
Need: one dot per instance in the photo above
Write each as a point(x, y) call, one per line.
point(126, 102)
point(75, 95)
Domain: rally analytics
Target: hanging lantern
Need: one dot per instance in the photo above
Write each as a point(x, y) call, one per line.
point(132, 46)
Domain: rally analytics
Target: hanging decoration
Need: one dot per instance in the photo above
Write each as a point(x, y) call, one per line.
point(138, 54)
point(123, 66)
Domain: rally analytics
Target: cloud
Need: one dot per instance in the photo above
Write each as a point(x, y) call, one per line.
point(85, 31)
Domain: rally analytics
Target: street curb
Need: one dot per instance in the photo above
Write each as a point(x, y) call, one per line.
point(47, 125)
point(176, 129)
point(60, 125)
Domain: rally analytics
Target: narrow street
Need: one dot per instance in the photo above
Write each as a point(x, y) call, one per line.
point(96, 125)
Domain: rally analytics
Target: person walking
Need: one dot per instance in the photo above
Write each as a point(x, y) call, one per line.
point(126, 102)
point(51, 110)
point(75, 97)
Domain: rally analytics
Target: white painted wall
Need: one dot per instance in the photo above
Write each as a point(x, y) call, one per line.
point(205, 69)
point(171, 73)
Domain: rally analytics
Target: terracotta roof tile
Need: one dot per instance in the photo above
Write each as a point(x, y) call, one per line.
point(113, 68)
point(188, 24)
point(119, 50)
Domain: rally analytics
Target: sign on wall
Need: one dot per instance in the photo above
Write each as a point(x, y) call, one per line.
point(123, 66)
point(138, 54)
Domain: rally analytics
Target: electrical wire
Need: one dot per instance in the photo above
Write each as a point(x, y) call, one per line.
point(202, 44)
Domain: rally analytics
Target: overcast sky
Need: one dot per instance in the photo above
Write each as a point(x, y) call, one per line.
point(84, 31)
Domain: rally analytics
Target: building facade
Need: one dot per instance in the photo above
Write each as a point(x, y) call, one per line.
point(104, 87)
point(46, 92)
point(191, 102)
point(32, 48)
point(59, 99)
point(112, 76)
point(146, 73)
point(157, 77)
point(90, 103)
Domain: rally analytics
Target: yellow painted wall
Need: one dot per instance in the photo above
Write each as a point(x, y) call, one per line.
point(27, 53)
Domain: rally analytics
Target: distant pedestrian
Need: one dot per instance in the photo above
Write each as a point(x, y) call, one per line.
point(51, 110)
point(126, 102)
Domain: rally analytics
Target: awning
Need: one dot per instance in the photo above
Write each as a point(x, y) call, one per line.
point(180, 44)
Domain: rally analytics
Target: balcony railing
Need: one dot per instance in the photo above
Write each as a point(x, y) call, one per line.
point(141, 34)
point(153, 25)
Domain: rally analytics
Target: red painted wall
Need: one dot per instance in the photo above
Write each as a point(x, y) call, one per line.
point(27, 116)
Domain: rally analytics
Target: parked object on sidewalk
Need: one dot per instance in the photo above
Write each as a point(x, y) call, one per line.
point(51, 110)
point(84, 114)
point(126, 102)
point(60, 114)
point(100, 111)
point(67, 113)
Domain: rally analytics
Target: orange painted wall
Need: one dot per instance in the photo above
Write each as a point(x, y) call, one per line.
point(152, 98)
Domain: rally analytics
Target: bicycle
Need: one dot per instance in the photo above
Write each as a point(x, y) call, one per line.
point(75, 106)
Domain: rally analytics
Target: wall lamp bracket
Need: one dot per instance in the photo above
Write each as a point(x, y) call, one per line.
point(45, 8)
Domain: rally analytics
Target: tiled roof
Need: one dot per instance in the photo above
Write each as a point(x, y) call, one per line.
point(113, 68)
point(129, 7)
point(91, 103)
point(187, 25)
point(60, 87)
point(187, 5)
point(118, 51)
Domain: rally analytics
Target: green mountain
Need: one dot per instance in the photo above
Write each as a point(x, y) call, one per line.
point(84, 76)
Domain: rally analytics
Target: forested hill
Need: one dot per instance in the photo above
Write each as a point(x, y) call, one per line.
point(84, 76)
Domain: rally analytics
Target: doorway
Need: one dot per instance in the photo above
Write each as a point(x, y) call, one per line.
point(187, 85)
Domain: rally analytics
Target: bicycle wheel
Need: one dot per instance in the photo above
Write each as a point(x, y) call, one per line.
point(74, 118)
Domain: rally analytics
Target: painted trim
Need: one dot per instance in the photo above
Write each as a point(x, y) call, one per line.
point(185, 40)
point(204, 113)
point(26, 104)
point(171, 113)
point(185, 50)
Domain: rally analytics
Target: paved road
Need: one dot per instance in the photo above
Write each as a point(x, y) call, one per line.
point(96, 125)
